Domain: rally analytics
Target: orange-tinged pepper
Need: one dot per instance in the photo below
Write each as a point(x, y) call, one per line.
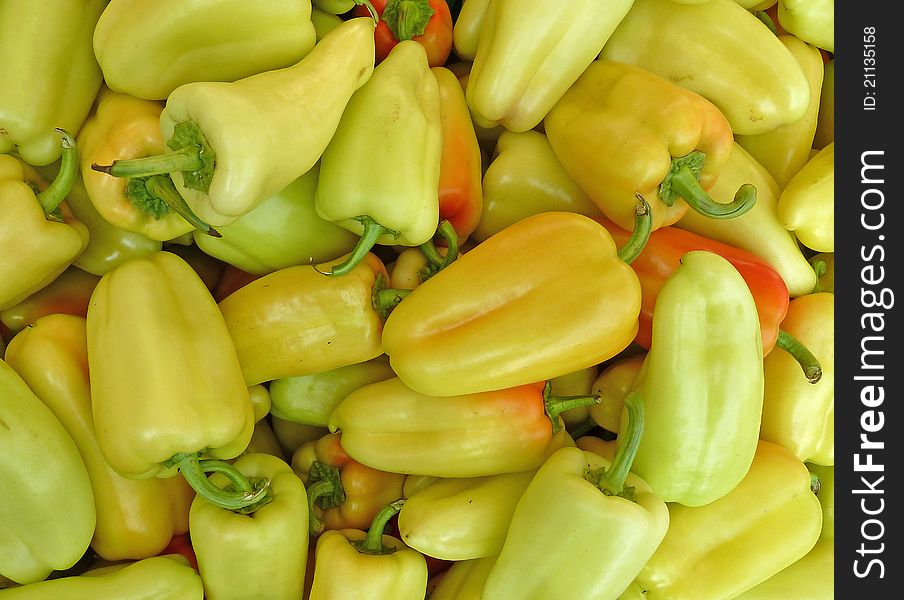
point(342, 493)
point(125, 127)
point(136, 518)
point(460, 171)
point(545, 297)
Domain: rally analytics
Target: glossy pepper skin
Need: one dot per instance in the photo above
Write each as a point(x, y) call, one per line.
point(569, 539)
point(350, 564)
point(466, 33)
point(813, 21)
point(296, 321)
point(461, 171)
point(232, 145)
point(811, 577)
point(46, 85)
point(464, 579)
point(391, 427)
point(48, 510)
point(136, 518)
point(662, 255)
point(785, 149)
point(462, 518)
point(716, 551)
point(150, 60)
point(310, 399)
point(165, 577)
point(391, 133)
point(720, 51)
point(124, 127)
point(759, 231)
point(30, 236)
point(524, 177)
point(341, 492)
point(157, 338)
point(427, 22)
point(797, 414)
point(284, 230)
point(701, 430)
point(528, 54)
point(270, 544)
point(806, 205)
point(467, 329)
point(622, 130)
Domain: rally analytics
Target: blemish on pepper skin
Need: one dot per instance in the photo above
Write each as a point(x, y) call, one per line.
point(5, 425)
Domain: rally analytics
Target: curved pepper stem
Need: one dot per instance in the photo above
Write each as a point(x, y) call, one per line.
point(247, 498)
point(324, 490)
point(57, 191)
point(611, 481)
point(385, 299)
point(370, 8)
point(191, 155)
point(683, 180)
point(438, 262)
point(370, 235)
point(820, 268)
point(163, 188)
point(556, 405)
point(807, 361)
point(373, 543)
point(643, 227)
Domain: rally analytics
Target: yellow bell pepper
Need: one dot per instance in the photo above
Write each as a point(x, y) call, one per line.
point(466, 32)
point(720, 51)
point(136, 518)
point(806, 205)
point(198, 40)
point(720, 550)
point(232, 145)
point(39, 238)
point(124, 127)
point(613, 384)
point(621, 130)
point(784, 150)
point(468, 328)
point(529, 53)
point(165, 577)
point(47, 511)
point(157, 339)
point(524, 178)
point(797, 414)
point(350, 564)
point(813, 21)
point(296, 321)
point(759, 231)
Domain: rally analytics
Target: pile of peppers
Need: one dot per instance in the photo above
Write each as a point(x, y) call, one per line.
point(410, 299)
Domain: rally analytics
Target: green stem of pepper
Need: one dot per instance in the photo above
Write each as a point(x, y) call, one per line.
point(807, 361)
point(611, 481)
point(373, 542)
point(447, 232)
point(191, 155)
point(643, 226)
point(237, 500)
point(370, 235)
point(162, 187)
point(324, 490)
point(385, 299)
point(370, 8)
point(820, 268)
point(57, 191)
point(556, 405)
point(683, 181)
point(407, 18)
